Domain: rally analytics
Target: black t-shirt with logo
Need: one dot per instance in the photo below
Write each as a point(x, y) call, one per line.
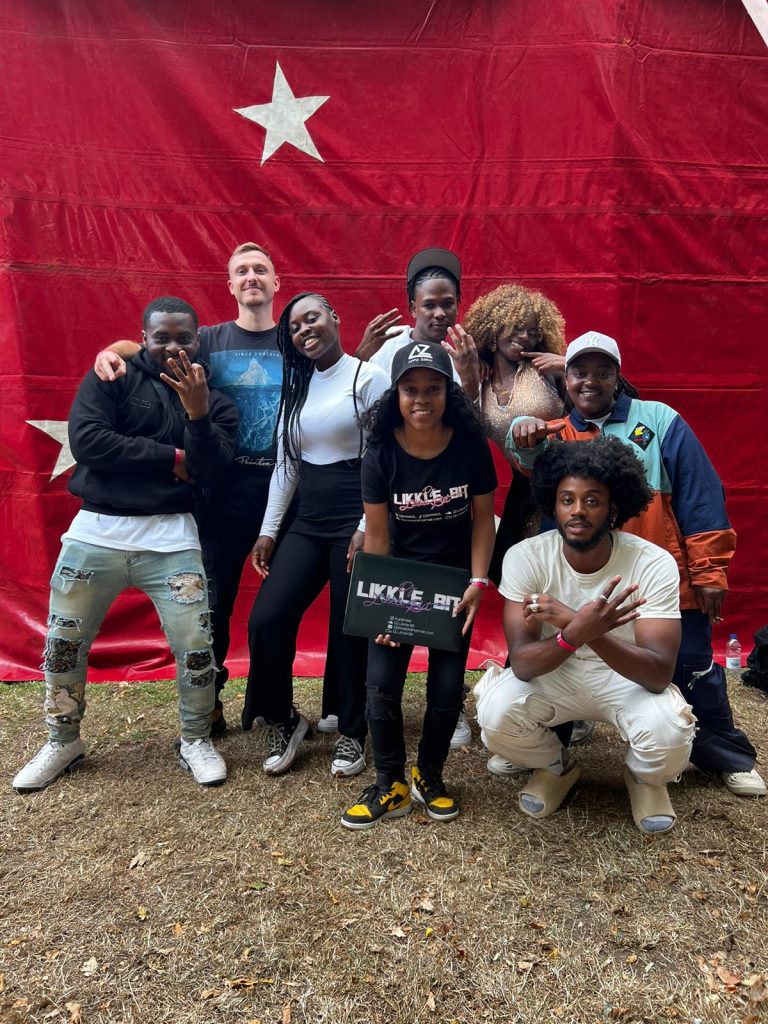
point(430, 500)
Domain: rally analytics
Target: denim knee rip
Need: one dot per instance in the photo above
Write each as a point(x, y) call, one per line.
point(70, 575)
point(64, 621)
point(60, 655)
point(199, 669)
point(187, 587)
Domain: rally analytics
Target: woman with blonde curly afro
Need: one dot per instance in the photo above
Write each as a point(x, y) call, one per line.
point(520, 336)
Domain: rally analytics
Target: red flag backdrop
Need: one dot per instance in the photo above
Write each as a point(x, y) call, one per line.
point(609, 153)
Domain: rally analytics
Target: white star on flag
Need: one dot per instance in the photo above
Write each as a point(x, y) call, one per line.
point(284, 118)
point(57, 429)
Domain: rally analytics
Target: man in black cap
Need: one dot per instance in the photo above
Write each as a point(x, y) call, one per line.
point(433, 284)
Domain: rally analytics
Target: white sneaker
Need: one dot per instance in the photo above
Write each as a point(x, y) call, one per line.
point(462, 735)
point(328, 724)
point(201, 758)
point(348, 758)
point(497, 765)
point(52, 760)
point(581, 732)
point(743, 783)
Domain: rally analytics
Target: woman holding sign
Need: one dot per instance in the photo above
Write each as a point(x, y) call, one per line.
point(428, 483)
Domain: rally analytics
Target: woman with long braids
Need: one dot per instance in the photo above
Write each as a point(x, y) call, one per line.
point(320, 444)
point(428, 483)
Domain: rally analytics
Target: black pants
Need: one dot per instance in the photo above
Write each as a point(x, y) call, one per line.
point(387, 667)
point(227, 542)
point(299, 569)
point(718, 745)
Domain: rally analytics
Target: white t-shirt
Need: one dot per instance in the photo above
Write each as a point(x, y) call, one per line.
point(172, 531)
point(329, 429)
point(538, 566)
point(386, 353)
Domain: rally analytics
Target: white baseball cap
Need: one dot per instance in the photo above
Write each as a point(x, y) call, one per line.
point(592, 341)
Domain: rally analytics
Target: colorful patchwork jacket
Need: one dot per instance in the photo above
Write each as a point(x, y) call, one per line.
point(687, 516)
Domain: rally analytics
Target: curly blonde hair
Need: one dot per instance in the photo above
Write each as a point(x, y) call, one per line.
point(493, 315)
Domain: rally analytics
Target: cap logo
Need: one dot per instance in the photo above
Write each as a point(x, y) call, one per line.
point(420, 352)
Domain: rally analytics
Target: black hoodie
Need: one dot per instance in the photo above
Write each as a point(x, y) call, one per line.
point(124, 435)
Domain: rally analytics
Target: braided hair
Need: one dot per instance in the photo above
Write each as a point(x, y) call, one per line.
point(297, 371)
point(432, 274)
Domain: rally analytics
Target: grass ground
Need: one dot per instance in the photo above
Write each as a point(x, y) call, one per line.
point(128, 894)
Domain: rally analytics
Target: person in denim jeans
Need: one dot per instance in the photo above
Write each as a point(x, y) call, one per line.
point(143, 445)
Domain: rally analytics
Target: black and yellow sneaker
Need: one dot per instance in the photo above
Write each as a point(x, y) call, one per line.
point(432, 794)
point(377, 803)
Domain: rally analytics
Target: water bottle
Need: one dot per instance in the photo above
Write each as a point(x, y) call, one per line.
point(733, 653)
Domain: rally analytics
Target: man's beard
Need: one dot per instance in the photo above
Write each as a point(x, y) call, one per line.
point(587, 545)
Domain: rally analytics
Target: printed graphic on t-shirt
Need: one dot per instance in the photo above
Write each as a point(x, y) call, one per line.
point(641, 435)
point(431, 504)
point(252, 380)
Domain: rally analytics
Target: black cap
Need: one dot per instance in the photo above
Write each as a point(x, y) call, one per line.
point(434, 257)
point(421, 355)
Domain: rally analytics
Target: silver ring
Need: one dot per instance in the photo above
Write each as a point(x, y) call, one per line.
point(603, 597)
point(534, 607)
point(534, 598)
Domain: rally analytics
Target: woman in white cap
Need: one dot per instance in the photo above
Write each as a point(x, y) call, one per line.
point(426, 443)
point(687, 517)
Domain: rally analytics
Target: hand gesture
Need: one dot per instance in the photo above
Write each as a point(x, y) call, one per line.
point(109, 365)
point(376, 333)
point(531, 431)
point(189, 383)
point(545, 608)
point(596, 618)
point(470, 603)
point(261, 554)
point(545, 362)
point(463, 351)
point(356, 544)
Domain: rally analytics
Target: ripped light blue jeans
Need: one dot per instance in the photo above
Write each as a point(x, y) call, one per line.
point(85, 582)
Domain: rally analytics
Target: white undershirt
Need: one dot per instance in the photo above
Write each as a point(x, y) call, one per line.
point(329, 430)
point(173, 531)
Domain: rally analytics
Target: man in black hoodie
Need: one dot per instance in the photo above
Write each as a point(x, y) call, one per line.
point(143, 445)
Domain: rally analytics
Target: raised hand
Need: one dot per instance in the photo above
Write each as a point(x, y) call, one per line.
point(376, 333)
point(463, 351)
point(189, 383)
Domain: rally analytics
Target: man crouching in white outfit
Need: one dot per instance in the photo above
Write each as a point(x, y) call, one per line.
point(593, 626)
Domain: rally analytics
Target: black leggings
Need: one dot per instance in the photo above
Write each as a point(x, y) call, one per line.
point(300, 568)
point(387, 667)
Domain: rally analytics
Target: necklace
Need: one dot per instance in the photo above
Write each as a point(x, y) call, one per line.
point(430, 453)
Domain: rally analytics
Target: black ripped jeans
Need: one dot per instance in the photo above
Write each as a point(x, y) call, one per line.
point(387, 667)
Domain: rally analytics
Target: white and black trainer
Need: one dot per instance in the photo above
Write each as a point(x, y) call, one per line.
point(283, 742)
point(348, 758)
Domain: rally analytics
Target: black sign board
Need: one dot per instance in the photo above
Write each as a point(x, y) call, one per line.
point(412, 601)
